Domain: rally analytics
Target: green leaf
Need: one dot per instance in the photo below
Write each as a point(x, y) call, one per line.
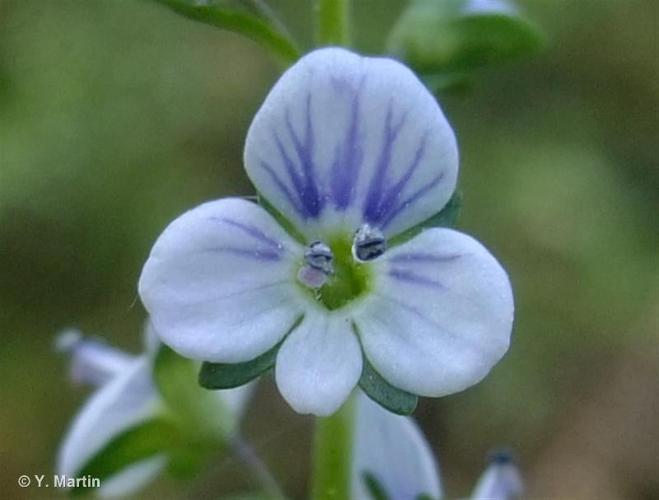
point(258, 29)
point(374, 488)
point(145, 440)
point(230, 375)
point(379, 390)
point(200, 412)
point(446, 217)
point(449, 36)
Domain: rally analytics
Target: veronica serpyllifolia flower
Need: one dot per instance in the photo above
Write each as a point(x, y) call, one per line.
point(126, 398)
point(349, 153)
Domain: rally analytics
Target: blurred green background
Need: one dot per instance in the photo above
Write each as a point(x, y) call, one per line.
point(116, 116)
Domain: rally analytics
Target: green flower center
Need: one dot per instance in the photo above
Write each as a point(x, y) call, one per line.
point(350, 280)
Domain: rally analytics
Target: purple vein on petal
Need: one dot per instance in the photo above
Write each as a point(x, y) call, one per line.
point(283, 188)
point(423, 257)
point(412, 199)
point(251, 253)
point(252, 231)
point(413, 278)
point(308, 191)
point(291, 169)
point(249, 290)
point(411, 309)
point(388, 200)
point(348, 155)
point(373, 204)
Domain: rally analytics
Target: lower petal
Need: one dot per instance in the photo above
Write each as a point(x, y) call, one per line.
point(441, 314)
point(319, 364)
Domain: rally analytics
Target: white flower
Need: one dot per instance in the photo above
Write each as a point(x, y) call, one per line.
point(126, 397)
point(391, 450)
point(352, 151)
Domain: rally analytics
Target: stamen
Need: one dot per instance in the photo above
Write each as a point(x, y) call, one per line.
point(319, 265)
point(369, 243)
point(320, 257)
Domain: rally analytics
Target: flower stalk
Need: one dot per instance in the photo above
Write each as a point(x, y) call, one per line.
point(332, 22)
point(332, 454)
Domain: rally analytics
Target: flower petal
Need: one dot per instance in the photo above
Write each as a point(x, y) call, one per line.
point(319, 364)
point(500, 481)
point(343, 139)
point(93, 361)
point(133, 478)
point(220, 282)
point(124, 402)
point(393, 450)
point(440, 315)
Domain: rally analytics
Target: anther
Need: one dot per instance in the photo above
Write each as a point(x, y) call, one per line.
point(369, 243)
point(318, 265)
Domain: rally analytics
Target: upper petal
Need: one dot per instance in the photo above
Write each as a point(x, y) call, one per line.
point(124, 402)
point(440, 315)
point(393, 450)
point(343, 139)
point(220, 282)
point(319, 364)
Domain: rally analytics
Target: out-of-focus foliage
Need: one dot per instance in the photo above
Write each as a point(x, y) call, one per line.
point(445, 40)
point(117, 116)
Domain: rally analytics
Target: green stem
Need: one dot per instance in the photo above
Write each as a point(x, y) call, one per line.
point(332, 458)
point(332, 22)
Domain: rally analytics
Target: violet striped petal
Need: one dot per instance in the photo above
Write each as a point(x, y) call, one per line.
point(342, 140)
point(219, 284)
point(440, 315)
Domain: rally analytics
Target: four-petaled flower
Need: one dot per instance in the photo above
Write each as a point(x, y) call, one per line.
point(349, 152)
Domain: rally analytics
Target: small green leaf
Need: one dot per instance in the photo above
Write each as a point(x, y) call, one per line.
point(446, 217)
point(440, 38)
point(228, 376)
point(379, 390)
point(258, 29)
point(374, 488)
point(145, 440)
point(200, 412)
